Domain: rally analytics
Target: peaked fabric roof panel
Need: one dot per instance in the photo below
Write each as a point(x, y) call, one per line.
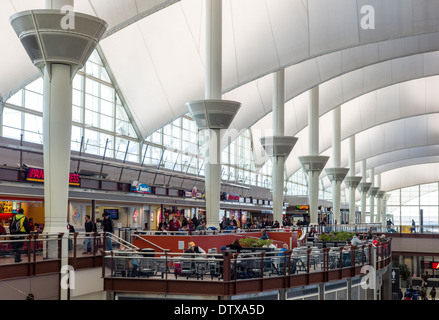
point(155, 49)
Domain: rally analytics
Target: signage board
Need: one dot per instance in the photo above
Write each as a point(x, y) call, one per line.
point(138, 187)
point(37, 175)
point(395, 283)
point(230, 197)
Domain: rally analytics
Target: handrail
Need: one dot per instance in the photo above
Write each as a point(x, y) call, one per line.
point(151, 243)
point(122, 241)
point(382, 254)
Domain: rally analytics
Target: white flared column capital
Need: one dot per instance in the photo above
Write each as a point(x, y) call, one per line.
point(50, 38)
point(380, 194)
point(352, 181)
point(373, 191)
point(213, 114)
point(313, 163)
point(278, 146)
point(364, 187)
point(336, 174)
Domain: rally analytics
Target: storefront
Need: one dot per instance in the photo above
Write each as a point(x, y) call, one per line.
point(33, 210)
point(133, 216)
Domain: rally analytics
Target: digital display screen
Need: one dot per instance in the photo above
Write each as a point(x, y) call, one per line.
point(113, 213)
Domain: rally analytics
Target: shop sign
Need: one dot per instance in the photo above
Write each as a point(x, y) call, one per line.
point(37, 175)
point(230, 197)
point(138, 187)
point(194, 194)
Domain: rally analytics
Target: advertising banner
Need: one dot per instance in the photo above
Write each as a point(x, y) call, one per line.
point(138, 187)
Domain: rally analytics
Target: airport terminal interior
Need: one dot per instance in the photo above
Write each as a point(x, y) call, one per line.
point(219, 150)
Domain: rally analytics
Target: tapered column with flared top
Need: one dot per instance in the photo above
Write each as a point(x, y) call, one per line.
point(313, 164)
point(336, 174)
point(279, 146)
point(363, 188)
point(213, 114)
point(56, 27)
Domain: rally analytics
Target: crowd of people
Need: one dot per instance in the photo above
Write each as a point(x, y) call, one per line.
point(186, 224)
point(419, 293)
point(195, 224)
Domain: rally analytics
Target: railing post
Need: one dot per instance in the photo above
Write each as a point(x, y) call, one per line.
point(308, 256)
point(235, 271)
point(166, 265)
point(112, 264)
point(95, 248)
point(29, 247)
point(35, 237)
point(226, 266)
point(60, 236)
point(75, 236)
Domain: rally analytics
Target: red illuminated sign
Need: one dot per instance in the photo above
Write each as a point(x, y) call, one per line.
point(37, 175)
point(435, 265)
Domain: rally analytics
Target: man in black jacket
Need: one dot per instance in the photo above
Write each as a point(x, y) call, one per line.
point(90, 228)
point(108, 227)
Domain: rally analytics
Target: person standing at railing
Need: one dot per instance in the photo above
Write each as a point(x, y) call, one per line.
point(108, 227)
point(19, 225)
point(413, 228)
point(90, 228)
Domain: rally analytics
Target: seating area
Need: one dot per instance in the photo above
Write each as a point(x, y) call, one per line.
point(232, 265)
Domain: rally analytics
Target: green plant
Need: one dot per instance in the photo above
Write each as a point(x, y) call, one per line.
point(336, 236)
point(404, 271)
point(253, 242)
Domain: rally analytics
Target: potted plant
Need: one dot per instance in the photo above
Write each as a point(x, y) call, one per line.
point(405, 274)
point(254, 243)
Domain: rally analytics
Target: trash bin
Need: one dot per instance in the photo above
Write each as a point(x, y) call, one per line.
point(148, 252)
point(125, 233)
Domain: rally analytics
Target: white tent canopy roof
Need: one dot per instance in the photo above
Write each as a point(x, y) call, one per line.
point(155, 49)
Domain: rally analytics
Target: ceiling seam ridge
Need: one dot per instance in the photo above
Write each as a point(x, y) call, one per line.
point(10, 2)
point(139, 17)
point(272, 34)
point(234, 45)
point(192, 34)
point(93, 8)
point(156, 71)
point(120, 94)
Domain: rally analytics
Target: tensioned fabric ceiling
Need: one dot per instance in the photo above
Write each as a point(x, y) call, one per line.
point(384, 79)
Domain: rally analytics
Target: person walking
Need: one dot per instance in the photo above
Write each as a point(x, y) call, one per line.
point(19, 226)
